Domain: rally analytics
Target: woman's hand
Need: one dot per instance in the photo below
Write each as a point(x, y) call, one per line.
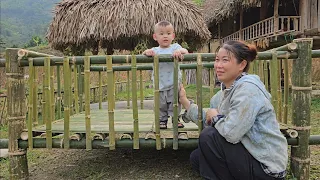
point(211, 113)
point(183, 98)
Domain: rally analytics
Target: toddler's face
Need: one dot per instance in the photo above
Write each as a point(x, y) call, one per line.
point(164, 35)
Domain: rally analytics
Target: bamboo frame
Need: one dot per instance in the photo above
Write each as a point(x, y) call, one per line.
point(66, 102)
point(81, 79)
point(199, 92)
point(135, 103)
point(156, 101)
point(175, 103)
point(87, 101)
point(43, 102)
point(112, 144)
point(30, 103)
point(48, 99)
point(266, 74)
point(52, 105)
point(279, 115)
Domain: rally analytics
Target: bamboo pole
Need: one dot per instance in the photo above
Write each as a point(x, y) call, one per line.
point(199, 92)
point(301, 107)
point(266, 74)
point(212, 81)
point(110, 103)
point(66, 102)
point(48, 99)
point(35, 97)
point(76, 88)
point(135, 103)
point(100, 90)
point(279, 115)
point(175, 103)
point(52, 105)
point(261, 75)
point(286, 91)
point(128, 90)
point(30, 103)
point(16, 114)
point(80, 88)
point(119, 59)
point(274, 82)
point(58, 94)
point(156, 101)
point(127, 143)
point(184, 79)
point(43, 101)
point(87, 101)
point(141, 90)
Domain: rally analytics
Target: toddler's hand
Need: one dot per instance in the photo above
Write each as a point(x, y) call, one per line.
point(149, 52)
point(177, 54)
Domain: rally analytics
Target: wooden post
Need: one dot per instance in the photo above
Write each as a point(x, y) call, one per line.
point(286, 91)
point(301, 106)
point(76, 88)
point(303, 6)
point(276, 16)
point(35, 97)
point(16, 112)
point(241, 24)
point(81, 79)
point(274, 81)
point(128, 89)
point(313, 14)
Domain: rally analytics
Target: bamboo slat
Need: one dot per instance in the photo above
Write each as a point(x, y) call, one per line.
point(30, 103)
point(66, 103)
point(35, 96)
point(212, 81)
point(274, 82)
point(199, 92)
point(141, 89)
point(100, 90)
point(286, 90)
point(279, 90)
point(111, 103)
point(87, 101)
point(156, 101)
point(59, 98)
point(135, 103)
point(128, 90)
point(76, 88)
point(175, 104)
point(48, 99)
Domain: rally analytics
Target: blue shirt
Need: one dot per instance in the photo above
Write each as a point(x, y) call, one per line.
point(166, 68)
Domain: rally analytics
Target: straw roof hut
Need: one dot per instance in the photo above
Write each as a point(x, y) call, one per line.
point(122, 24)
point(215, 11)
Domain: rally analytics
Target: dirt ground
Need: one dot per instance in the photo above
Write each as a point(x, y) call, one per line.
point(119, 164)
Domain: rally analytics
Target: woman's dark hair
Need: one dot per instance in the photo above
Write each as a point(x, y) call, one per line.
point(241, 51)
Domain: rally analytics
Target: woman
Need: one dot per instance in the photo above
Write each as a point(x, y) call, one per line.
point(242, 139)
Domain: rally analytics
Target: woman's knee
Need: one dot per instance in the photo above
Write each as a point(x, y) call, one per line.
point(208, 133)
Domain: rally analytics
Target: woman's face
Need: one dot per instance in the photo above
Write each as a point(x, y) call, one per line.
point(227, 68)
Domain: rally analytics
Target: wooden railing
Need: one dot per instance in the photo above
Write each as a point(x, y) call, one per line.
point(266, 28)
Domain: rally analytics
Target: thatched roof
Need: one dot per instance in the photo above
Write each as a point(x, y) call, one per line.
point(122, 24)
point(216, 11)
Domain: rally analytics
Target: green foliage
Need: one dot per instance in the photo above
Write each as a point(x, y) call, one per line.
point(198, 2)
point(20, 20)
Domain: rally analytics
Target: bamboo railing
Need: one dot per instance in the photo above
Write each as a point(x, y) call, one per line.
point(265, 28)
point(301, 87)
